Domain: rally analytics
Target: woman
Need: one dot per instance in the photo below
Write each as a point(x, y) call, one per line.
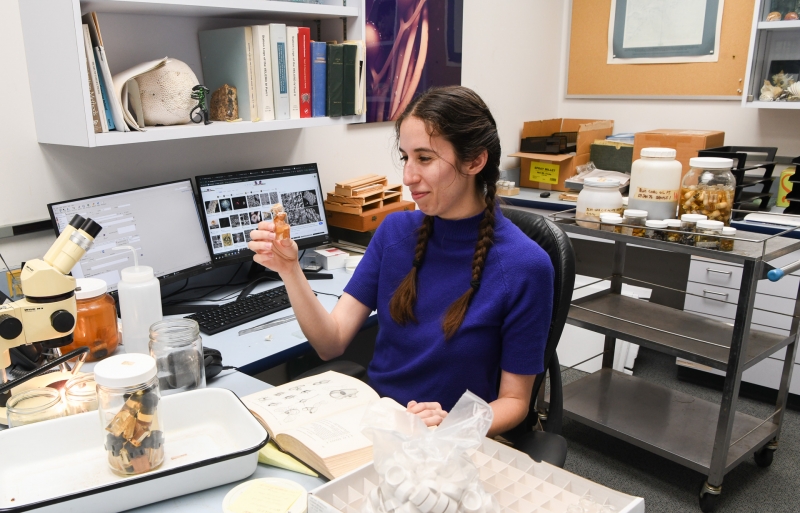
point(463, 296)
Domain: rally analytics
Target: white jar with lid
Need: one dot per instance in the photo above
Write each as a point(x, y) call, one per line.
point(656, 183)
point(598, 196)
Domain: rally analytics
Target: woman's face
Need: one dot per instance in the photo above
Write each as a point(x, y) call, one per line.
point(439, 184)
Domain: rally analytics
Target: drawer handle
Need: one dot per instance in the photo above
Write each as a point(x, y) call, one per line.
point(725, 294)
point(710, 270)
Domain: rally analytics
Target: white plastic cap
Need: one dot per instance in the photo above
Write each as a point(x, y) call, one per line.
point(727, 230)
point(673, 223)
point(611, 220)
point(87, 288)
point(711, 225)
point(395, 475)
point(653, 223)
point(659, 152)
point(471, 501)
point(601, 182)
point(630, 212)
point(711, 163)
point(125, 370)
point(137, 274)
point(693, 218)
point(604, 215)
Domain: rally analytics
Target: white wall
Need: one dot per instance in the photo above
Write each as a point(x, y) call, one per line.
point(34, 174)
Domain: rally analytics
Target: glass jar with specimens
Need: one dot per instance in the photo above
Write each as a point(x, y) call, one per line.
point(655, 229)
point(688, 225)
point(635, 219)
point(177, 346)
point(708, 189)
point(610, 222)
point(128, 399)
point(707, 234)
point(674, 227)
point(80, 393)
point(727, 244)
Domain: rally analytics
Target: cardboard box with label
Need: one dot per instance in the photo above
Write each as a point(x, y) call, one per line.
point(545, 171)
point(686, 142)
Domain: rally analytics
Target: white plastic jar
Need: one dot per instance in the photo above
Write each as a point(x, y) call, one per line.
point(656, 183)
point(598, 196)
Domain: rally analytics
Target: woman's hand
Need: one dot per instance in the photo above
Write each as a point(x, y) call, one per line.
point(279, 256)
point(431, 413)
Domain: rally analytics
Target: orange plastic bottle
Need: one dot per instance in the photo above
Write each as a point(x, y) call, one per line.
point(96, 325)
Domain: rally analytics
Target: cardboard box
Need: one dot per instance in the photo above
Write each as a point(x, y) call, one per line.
point(543, 171)
point(686, 142)
point(331, 258)
point(368, 220)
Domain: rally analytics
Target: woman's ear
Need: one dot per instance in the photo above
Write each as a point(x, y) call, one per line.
point(477, 164)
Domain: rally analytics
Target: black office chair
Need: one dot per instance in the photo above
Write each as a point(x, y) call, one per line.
point(547, 445)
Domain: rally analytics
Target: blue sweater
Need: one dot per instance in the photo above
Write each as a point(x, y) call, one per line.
point(506, 324)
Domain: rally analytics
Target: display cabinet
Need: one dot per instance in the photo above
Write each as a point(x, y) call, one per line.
point(136, 31)
point(774, 56)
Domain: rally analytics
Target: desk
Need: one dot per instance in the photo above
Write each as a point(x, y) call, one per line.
point(211, 500)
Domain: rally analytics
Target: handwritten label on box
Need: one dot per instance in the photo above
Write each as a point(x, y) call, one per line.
point(544, 172)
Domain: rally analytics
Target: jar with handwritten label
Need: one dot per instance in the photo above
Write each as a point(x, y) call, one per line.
point(656, 183)
point(598, 196)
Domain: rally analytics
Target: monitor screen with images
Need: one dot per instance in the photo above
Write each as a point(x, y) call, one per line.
point(161, 222)
point(234, 203)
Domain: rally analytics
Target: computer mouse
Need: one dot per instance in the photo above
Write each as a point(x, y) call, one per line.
point(212, 359)
point(544, 195)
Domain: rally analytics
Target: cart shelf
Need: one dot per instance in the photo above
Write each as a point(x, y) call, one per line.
point(677, 426)
point(666, 330)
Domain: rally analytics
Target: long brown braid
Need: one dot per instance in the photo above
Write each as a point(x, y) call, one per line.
point(460, 116)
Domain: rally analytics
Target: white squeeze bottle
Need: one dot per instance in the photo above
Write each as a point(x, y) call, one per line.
point(139, 304)
point(656, 183)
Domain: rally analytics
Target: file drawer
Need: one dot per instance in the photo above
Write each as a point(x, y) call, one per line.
point(713, 273)
point(768, 310)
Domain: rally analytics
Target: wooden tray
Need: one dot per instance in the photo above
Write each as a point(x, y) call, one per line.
point(368, 220)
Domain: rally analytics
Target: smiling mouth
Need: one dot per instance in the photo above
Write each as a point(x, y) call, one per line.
point(417, 195)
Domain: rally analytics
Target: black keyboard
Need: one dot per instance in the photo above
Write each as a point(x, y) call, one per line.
point(236, 313)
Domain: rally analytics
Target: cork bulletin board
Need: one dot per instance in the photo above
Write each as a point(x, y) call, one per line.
point(590, 76)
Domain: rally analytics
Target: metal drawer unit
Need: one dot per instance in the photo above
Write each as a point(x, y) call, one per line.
point(707, 437)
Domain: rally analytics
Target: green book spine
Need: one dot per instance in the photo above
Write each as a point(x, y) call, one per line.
point(349, 83)
point(335, 79)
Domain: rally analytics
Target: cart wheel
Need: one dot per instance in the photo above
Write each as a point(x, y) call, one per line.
point(709, 497)
point(764, 457)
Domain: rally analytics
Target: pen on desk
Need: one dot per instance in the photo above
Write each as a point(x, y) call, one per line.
point(274, 322)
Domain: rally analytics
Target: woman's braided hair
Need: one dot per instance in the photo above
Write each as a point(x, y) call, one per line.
point(458, 115)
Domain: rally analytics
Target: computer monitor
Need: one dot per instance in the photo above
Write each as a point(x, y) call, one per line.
point(234, 203)
point(160, 221)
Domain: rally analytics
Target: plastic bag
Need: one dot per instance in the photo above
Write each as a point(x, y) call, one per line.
point(428, 470)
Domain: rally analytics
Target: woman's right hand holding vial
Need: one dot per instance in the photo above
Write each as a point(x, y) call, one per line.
point(277, 255)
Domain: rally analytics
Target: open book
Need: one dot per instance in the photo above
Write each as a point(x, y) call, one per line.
point(317, 419)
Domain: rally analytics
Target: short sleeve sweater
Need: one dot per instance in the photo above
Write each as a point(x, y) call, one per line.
point(506, 324)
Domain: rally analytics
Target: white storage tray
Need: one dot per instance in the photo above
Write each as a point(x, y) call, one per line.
point(520, 485)
point(60, 465)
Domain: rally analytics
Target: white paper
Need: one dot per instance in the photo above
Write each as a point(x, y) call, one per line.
point(658, 23)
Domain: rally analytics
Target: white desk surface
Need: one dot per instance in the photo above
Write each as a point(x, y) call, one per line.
point(211, 500)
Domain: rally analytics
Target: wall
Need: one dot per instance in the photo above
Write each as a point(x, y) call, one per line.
point(742, 126)
point(35, 174)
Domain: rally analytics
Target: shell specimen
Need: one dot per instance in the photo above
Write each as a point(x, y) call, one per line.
point(774, 16)
point(782, 80)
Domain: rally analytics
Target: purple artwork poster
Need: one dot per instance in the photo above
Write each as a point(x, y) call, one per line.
point(412, 45)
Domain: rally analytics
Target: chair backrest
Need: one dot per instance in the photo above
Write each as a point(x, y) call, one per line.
point(557, 245)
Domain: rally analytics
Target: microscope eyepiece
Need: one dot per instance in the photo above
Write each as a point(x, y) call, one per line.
point(77, 221)
point(91, 227)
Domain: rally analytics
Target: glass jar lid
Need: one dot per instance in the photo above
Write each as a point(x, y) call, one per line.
point(711, 163)
point(630, 212)
point(604, 215)
point(87, 288)
point(125, 370)
point(653, 223)
point(659, 152)
point(601, 181)
point(693, 218)
point(727, 230)
point(673, 223)
point(611, 220)
point(710, 225)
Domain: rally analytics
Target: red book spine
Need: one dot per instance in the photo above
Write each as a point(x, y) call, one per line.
point(304, 63)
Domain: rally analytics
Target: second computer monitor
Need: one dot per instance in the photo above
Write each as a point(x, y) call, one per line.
point(234, 203)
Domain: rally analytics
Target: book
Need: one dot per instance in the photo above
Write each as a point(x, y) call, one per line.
point(99, 123)
point(318, 420)
point(224, 56)
point(319, 72)
point(304, 70)
point(349, 79)
point(107, 96)
point(251, 73)
point(280, 84)
point(360, 76)
point(294, 79)
point(112, 98)
point(335, 63)
point(263, 72)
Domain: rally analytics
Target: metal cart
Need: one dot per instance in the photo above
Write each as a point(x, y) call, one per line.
point(709, 438)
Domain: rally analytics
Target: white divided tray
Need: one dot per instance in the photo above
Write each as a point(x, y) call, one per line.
point(518, 483)
point(60, 465)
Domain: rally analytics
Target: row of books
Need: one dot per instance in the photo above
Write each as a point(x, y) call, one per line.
point(280, 73)
point(106, 108)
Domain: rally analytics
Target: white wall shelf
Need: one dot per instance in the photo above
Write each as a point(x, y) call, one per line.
point(770, 41)
point(136, 31)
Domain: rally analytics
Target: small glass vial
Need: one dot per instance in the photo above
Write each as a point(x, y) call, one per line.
point(178, 349)
point(674, 236)
point(707, 232)
point(128, 400)
point(688, 223)
point(611, 224)
point(636, 218)
point(655, 229)
point(282, 228)
point(727, 244)
point(80, 393)
point(34, 405)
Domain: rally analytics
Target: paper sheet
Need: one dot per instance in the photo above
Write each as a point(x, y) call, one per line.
point(263, 497)
point(656, 23)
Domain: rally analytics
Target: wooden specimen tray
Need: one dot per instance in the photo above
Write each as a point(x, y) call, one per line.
point(361, 186)
point(360, 204)
point(369, 220)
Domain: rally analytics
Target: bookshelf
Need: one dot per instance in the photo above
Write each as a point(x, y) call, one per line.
point(136, 31)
